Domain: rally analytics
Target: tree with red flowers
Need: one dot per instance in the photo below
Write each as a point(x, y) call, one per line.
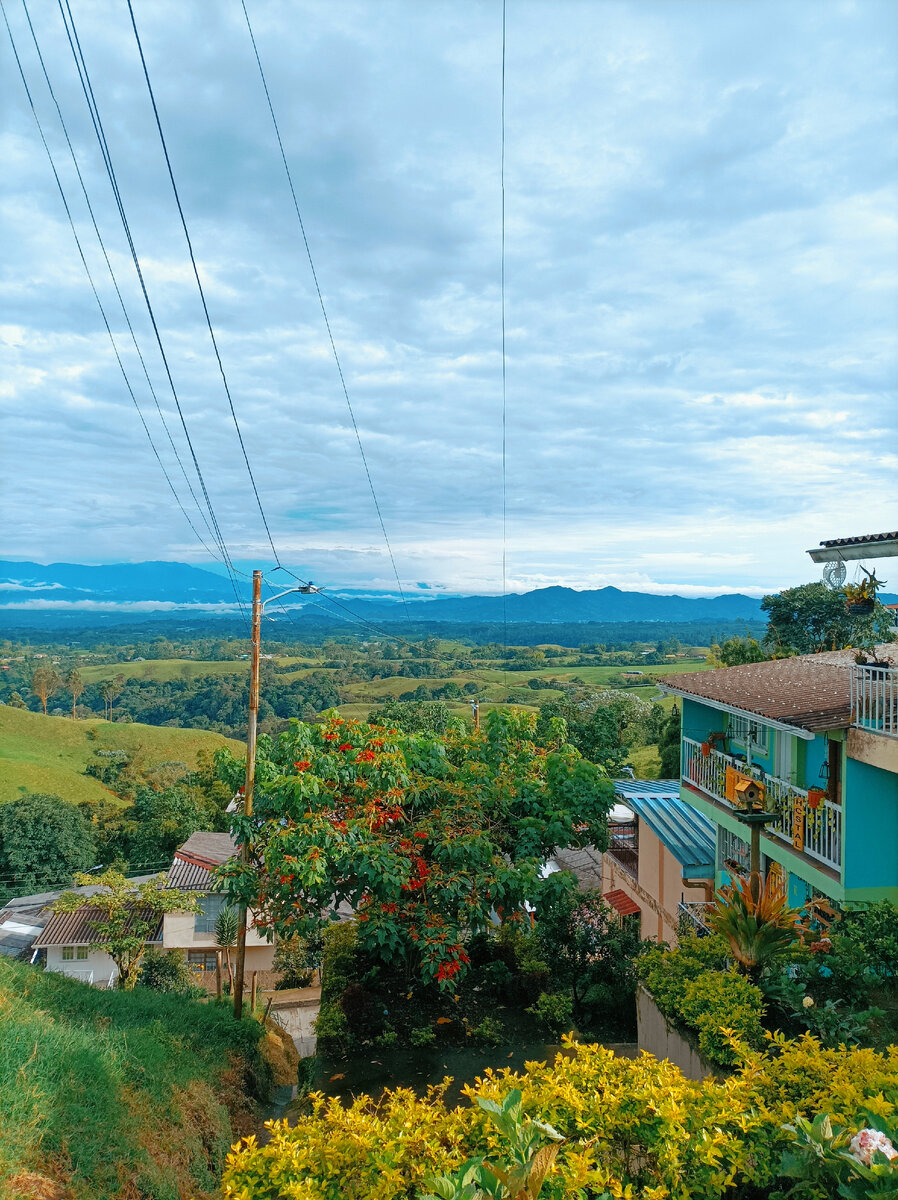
point(426, 838)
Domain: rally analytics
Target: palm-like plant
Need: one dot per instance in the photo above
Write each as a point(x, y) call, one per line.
point(754, 917)
point(226, 935)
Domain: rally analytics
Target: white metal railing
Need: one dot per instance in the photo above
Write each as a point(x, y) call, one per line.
point(691, 916)
point(874, 699)
point(815, 831)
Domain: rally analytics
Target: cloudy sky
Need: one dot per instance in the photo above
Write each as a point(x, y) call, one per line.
point(702, 253)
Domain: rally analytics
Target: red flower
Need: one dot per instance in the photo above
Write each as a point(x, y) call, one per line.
point(364, 755)
point(421, 834)
point(345, 746)
point(329, 737)
point(376, 742)
point(302, 766)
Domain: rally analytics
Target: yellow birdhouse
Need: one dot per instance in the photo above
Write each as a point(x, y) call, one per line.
point(749, 793)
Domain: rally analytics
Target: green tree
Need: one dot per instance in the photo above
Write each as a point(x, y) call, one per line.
point(669, 745)
point(15, 700)
point(165, 971)
point(44, 841)
point(126, 914)
point(74, 684)
point(736, 651)
point(44, 682)
point(426, 838)
point(812, 618)
point(162, 820)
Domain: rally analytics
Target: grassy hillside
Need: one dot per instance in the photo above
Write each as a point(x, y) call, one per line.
point(49, 754)
point(162, 669)
point(118, 1095)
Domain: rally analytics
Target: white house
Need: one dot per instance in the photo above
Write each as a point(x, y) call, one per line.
point(67, 937)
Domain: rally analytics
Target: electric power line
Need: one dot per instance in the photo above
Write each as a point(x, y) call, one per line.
point(114, 282)
point(323, 307)
point(199, 284)
point(504, 362)
point(96, 120)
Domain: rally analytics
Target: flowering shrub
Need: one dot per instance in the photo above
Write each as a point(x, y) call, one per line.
point(424, 837)
point(631, 1128)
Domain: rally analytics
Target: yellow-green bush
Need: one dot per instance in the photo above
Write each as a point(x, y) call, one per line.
point(693, 987)
point(634, 1128)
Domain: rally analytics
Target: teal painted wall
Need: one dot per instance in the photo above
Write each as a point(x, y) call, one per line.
point(871, 827)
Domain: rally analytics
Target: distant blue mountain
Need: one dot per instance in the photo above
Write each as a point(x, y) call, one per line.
point(121, 590)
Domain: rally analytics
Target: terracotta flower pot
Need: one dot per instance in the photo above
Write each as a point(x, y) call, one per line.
point(706, 749)
point(815, 796)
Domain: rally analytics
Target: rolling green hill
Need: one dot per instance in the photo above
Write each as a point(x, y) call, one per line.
point(49, 754)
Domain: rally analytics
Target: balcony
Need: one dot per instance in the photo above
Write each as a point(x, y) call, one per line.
point(691, 918)
point(816, 832)
point(623, 845)
point(874, 699)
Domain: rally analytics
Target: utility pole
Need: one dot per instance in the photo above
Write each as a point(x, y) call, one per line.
point(251, 731)
point(475, 711)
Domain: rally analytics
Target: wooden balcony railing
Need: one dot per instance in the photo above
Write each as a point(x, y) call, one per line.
point(816, 832)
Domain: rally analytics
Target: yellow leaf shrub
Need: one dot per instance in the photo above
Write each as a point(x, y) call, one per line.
point(635, 1128)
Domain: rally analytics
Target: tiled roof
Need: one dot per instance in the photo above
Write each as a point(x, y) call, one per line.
point(25, 917)
point(213, 847)
point(863, 540)
point(689, 836)
point(812, 691)
point(194, 861)
point(77, 928)
point(624, 904)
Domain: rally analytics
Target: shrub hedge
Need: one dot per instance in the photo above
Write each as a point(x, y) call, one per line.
point(694, 988)
point(633, 1128)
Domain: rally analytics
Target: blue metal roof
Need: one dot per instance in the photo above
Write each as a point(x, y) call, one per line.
point(690, 837)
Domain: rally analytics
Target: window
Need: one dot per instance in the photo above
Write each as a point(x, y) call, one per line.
point(201, 960)
point(747, 732)
point(732, 852)
point(75, 952)
point(212, 906)
point(81, 953)
point(68, 953)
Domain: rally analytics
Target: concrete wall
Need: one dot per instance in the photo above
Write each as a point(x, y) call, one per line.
point(661, 1039)
point(870, 846)
point(96, 968)
point(179, 932)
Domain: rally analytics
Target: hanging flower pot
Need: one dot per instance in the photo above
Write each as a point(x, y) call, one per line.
point(815, 797)
point(706, 749)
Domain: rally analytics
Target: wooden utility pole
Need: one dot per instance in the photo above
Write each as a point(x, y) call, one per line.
point(249, 784)
point(251, 729)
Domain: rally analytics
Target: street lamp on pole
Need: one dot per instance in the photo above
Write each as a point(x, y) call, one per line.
point(251, 730)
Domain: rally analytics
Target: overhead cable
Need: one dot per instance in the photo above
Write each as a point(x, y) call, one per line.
point(123, 309)
point(96, 120)
point(323, 307)
point(199, 284)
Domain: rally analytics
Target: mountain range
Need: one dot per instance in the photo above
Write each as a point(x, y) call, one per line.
point(160, 589)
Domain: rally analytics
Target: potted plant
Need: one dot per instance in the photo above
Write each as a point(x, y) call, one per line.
point(706, 749)
point(816, 796)
point(860, 598)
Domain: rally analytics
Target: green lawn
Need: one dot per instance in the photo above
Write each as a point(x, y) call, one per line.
point(162, 669)
point(49, 754)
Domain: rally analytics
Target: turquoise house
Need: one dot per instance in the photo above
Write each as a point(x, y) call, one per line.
point(819, 734)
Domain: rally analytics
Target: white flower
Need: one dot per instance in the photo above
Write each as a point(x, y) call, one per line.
point(808, 1002)
point(866, 1142)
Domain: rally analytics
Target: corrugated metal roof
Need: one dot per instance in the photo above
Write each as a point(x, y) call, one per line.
point(863, 540)
point(77, 928)
point(689, 836)
point(188, 876)
point(24, 914)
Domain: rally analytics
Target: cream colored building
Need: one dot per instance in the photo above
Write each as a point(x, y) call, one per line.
point(659, 865)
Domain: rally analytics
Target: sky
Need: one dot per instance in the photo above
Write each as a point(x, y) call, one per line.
point(701, 304)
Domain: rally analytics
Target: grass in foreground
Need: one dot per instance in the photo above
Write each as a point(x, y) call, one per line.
point(116, 1095)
